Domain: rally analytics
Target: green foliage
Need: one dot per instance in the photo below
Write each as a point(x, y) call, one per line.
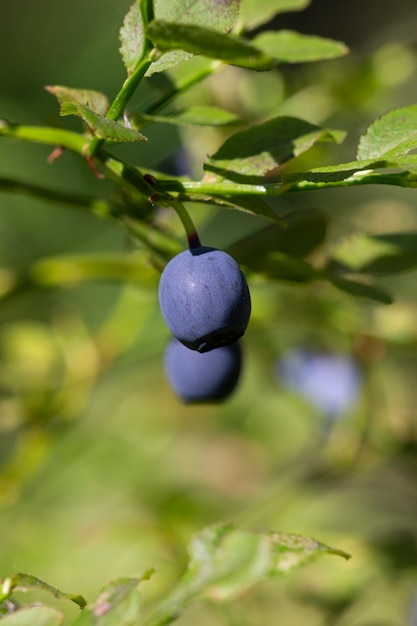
point(94, 453)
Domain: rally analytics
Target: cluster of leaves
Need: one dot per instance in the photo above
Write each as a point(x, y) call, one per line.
point(254, 165)
point(223, 563)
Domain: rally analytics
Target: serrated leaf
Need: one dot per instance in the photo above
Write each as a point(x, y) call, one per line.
point(304, 231)
point(94, 100)
point(249, 154)
point(335, 173)
point(26, 582)
point(118, 604)
point(226, 562)
point(379, 255)
point(207, 42)
point(34, 616)
point(394, 133)
point(101, 126)
point(194, 116)
point(253, 13)
point(250, 204)
point(361, 290)
point(132, 38)
point(220, 15)
point(292, 47)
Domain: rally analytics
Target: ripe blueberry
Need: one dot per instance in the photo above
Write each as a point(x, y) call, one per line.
point(204, 298)
point(202, 377)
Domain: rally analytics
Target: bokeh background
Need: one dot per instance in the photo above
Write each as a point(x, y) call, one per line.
point(103, 472)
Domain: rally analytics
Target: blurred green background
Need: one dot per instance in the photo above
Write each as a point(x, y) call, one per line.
point(103, 472)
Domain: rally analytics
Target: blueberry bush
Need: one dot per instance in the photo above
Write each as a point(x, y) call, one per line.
point(208, 315)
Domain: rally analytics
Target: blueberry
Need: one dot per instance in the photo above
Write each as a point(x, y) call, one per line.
point(204, 298)
point(329, 381)
point(202, 377)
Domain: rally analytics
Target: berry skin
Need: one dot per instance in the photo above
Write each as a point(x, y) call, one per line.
point(202, 377)
point(204, 298)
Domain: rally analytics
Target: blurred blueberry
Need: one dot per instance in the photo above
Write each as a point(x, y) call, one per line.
point(202, 377)
point(331, 382)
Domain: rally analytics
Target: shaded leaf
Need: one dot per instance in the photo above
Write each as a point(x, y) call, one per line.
point(194, 116)
point(207, 42)
point(392, 134)
point(304, 231)
point(118, 604)
point(26, 582)
point(250, 204)
point(132, 38)
point(249, 154)
point(253, 13)
point(34, 616)
point(362, 290)
point(335, 173)
point(382, 254)
point(293, 47)
point(101, 126)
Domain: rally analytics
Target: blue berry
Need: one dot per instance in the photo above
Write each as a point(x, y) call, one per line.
point(330, 382)
point(202, 377)
point(204, 298)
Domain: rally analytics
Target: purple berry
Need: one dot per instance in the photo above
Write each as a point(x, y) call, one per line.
point(202, 377)
point(204, 298)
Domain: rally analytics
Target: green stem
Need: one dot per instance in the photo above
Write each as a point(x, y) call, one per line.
point(190, 229)
point(46, 135)
point(98, 206)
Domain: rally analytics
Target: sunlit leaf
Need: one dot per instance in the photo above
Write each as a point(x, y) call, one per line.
point(392, 134)
point(94, 100)
point(335, 173)
point(74, 269)
point(382, 254)
point(207, 42)
point(226, 561)
point(101, 126)
point(253, 13)
point(34, 616)
point(249, 154)
point(293, 47)
point(219, 15)
point(132, 37)
point(194, 116)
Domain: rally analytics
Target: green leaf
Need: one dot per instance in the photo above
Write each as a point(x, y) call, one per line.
point(26, 582)
point(305, 230)
point(253, 13)
point(392, 134)
point(118, 604)
point(292, 47)
point(101, 126)
point(361, 290)
point(207, 42)
point(226, 562)
point(194, 116)
point(251, 153)
point(335, 173)
point(74, 269)
point(381, 255)
point(219, 15)
point(94, 100)
point(34, 616)
point(250, 204)
point(132, 38)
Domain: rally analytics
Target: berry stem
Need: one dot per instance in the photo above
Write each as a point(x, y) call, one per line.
point(187, 222)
